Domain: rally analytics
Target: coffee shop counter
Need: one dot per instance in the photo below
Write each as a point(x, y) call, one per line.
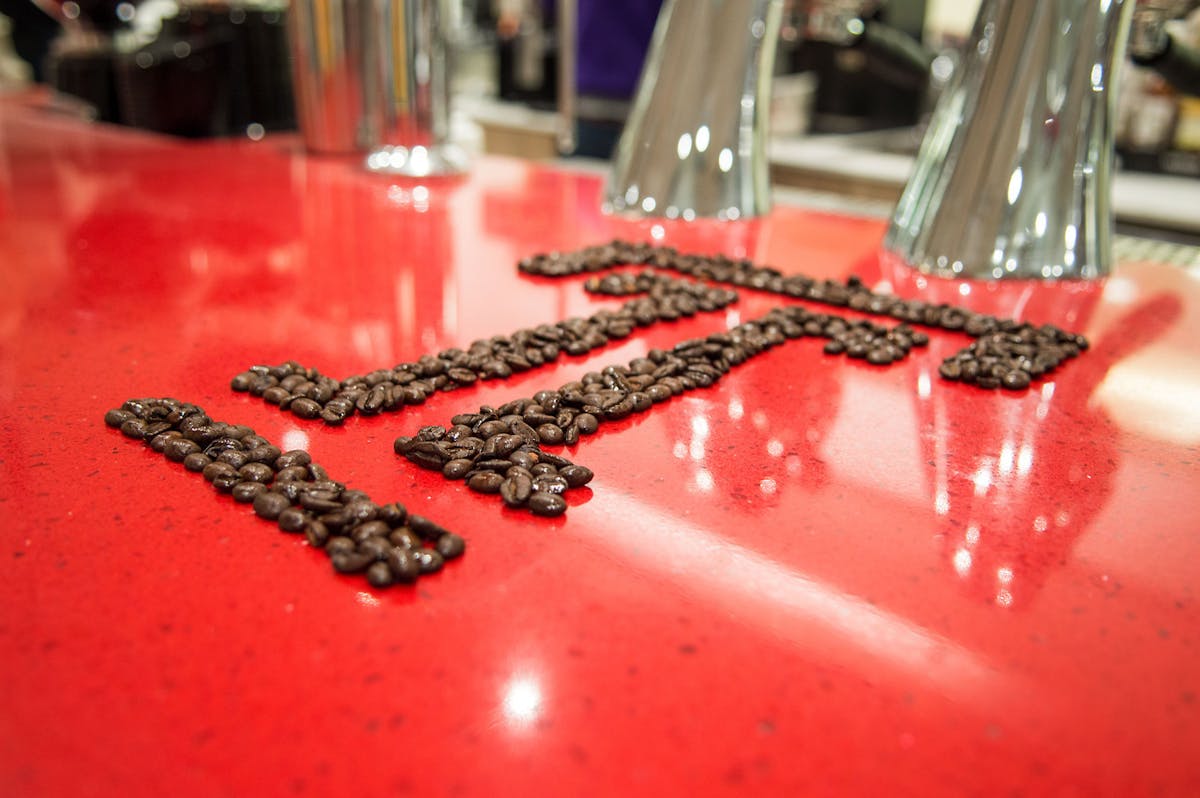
point(816, 576)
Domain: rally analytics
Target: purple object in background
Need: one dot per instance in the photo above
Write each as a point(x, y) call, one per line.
point(614, 36)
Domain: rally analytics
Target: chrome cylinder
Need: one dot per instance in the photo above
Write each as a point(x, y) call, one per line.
point(327, 41)
point(1013, 176)
point(408, 95)
point(695, 141)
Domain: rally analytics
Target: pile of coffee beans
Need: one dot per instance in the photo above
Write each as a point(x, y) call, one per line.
point(1050, 345)
point(386, 542)
point(1013, 358)
point(309, 394)
point(501, 450)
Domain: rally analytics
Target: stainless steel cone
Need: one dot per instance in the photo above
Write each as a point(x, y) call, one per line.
point(695, 141)
point(1012, 179)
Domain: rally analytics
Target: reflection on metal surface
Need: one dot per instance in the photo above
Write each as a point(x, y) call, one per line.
point(695, 141)
point(1012, 179)
point(408, 95)
point(327, 42)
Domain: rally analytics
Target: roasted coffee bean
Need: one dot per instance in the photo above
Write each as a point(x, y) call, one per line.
point(379, 574)
point(350, 562)
point(523, 459)
point(245, 492)
point(292, 519)
point(292, 459)
point(339, 544)
point(116, 418)
point(549, 484)
point(159, 442)
point(257, 472)
point(196, 462)
point(543, 468)
point(587, 423)
point(485, 482)
point(133, 428)
point(233, 457)
point(270, 504)
point(320, 501)
point(429, 561)
point(317, 533)
point(225, 483)
point(404, 537)
point(425, 527)
point(450, 546)
point(404, 564)
point(515, 490)
point(547, 504)
point(374, 545)
point(1016, 380)
point(550, 434)
point(263, 454)
point(393, 514)
point(369, 529)
point(215, 469)
point(291, 474)
point(576, 476)
point(457, 468)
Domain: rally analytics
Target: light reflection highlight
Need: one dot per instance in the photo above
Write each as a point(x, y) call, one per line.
point(295, 439)
point(809, 613)
point(522, 701)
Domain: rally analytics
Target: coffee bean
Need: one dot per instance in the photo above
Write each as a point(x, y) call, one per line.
point(393, 514)
point(317, 533)
point(292, 519)
point(1016, 380)
point(196, 462)
point(292, 459)
point(379, 574)
point(450, 546)
point(550, 434)
point(376, 546)
point(576, 476)
point(457, 468)
point(485, 482)
point(425, 527)
point(269, 505)
point(404, 564)
point(429, 561)
point(256, 472)
point(350, 562)
point(339, 544)
point(225, 483)
point(245, 492)
point(516, 489)
point(547, 504)
point(116, 418)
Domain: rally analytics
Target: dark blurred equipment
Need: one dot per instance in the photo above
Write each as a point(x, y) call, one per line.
point(1152, 45)
point(218, 67)
point(32, 31)
point(872, 69)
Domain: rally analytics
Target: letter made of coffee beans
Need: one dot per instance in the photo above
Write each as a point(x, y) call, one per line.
point(385, 542)
point(1007, 354)
point(502, 451)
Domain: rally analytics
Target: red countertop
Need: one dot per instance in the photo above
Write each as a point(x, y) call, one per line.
point(816, 577)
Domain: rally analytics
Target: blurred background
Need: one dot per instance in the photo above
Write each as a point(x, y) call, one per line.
point(854, 80)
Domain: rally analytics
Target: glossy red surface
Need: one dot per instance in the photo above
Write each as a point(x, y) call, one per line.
point(815, 577)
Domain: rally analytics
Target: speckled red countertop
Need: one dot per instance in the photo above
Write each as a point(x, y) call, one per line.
point(817, 576)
